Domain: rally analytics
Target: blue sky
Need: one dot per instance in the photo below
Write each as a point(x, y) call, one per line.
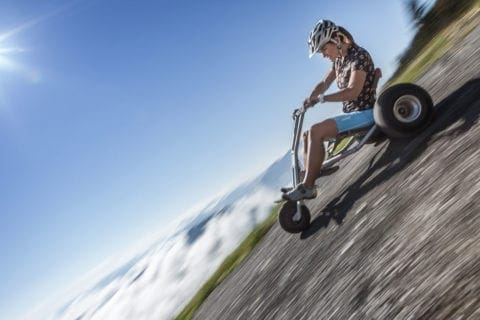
point(118, 116)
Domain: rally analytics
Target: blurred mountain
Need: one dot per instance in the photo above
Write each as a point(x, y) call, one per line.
point(273, 178)
point(156, 281)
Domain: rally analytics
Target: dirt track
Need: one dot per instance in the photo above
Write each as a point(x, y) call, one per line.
point(395, 232)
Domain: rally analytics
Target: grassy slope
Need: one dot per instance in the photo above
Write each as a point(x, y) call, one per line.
point(433, 50)
point(424, 53)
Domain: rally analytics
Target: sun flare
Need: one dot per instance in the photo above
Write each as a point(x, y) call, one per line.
point(6, 58)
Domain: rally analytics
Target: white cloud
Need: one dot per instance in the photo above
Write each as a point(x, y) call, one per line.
point(160, 282)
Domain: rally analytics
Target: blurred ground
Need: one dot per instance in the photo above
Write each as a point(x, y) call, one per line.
point(395, 232)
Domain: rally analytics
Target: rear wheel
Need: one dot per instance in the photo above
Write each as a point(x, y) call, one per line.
point(403, 110)
point(287, 214)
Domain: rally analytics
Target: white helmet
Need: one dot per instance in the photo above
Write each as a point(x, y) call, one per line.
point(321, 34)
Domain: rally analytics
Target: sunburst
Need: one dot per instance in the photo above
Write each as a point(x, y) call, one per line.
point(8, 53)
point(7, 58)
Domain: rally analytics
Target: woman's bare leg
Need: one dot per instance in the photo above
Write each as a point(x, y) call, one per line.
point(315, 149)
point(305, 149)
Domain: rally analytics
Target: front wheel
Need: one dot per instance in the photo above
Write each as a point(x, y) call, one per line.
point(286, 217)
point(403, 110)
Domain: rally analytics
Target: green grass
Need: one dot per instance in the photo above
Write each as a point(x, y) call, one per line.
point(229, 264)
point(439, 44)
point(342, 145)
point(444, 18)
point(437, 49)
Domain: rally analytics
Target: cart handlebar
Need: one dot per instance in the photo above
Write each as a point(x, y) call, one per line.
point(299, 111)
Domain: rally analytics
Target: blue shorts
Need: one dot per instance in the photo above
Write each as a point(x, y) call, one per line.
point(354, 120)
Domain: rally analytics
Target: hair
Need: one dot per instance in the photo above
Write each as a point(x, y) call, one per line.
point(344, 35)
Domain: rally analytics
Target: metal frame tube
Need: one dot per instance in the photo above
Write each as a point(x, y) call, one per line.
point(298, 120)
point(328, 163)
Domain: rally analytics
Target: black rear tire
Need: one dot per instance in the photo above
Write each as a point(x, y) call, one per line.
point(403, 110)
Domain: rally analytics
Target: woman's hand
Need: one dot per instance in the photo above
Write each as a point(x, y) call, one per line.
point(310, 102)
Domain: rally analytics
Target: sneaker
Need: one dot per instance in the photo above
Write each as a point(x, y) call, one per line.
point(286, 189)
point(323, 173)
point(301, 177)
point(300, 192)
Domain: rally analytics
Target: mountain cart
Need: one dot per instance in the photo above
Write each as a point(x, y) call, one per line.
point(401, 111)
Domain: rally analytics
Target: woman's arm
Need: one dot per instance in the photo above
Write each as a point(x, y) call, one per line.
point(324, 84)
point(351, 92)
point(319, 89)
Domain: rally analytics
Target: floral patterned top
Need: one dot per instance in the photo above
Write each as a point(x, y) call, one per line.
point(357, 58)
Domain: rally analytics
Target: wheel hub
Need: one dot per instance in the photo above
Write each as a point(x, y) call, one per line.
point(407, 109)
